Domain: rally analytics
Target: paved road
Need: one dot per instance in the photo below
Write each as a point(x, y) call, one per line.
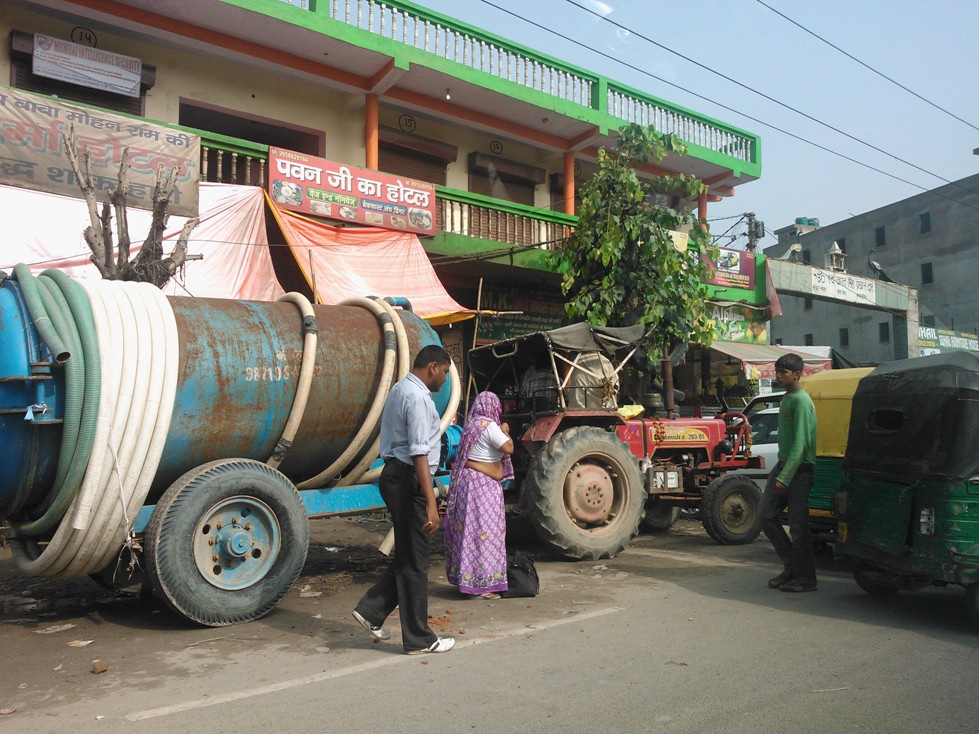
point(675, 635)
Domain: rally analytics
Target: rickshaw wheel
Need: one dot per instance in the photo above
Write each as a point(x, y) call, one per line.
point(874, 581)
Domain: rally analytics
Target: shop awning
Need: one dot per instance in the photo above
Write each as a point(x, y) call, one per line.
point(367, 261)
point(763, 356)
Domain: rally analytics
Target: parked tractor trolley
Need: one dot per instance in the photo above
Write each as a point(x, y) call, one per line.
point(586, 475)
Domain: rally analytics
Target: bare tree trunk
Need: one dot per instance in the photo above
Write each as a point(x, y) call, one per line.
point(148, 266)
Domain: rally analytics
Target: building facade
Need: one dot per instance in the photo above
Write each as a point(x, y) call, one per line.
point(506, 134)
point(929, 242)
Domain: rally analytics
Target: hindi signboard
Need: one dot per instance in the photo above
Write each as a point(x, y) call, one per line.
point(521, 312)
point(32, 151)
point(844, 287)
point(311, 185)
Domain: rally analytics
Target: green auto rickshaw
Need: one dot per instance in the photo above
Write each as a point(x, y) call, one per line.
point(909, 497)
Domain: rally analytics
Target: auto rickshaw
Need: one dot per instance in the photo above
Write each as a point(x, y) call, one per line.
point(832, 395)
point(831, 392)
point(909, 498)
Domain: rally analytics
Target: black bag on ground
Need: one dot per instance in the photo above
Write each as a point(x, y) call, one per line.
point(522, 578)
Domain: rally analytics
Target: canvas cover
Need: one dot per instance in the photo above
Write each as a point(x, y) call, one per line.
point(917, 418)
point(502, 366)
point(832, 395)
point(45, 231)
point(342, 262)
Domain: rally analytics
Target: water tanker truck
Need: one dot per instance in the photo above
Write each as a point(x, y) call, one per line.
point(196, 436)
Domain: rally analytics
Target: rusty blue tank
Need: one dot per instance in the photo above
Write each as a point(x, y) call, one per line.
point(239, 364)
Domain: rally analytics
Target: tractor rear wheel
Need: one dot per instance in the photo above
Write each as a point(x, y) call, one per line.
point(585, 494)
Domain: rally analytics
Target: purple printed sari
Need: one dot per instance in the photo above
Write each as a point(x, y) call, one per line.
point(475, 524)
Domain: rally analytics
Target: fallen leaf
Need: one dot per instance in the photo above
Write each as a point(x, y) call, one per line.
point(80, 643)
point(424, 662)
point(6, 712)
point(55, 628)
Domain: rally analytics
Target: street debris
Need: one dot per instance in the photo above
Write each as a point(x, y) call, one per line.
point(55, 628)
point(80, 643)
point(99, 667)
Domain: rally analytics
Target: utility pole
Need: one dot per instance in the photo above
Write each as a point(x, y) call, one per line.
point(751, 231)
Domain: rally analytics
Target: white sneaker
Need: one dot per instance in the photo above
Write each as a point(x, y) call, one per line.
point(441, 644)
point(378, 633)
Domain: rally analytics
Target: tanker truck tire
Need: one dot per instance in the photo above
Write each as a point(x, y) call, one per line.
point(226, 542)
point(659, 517)
point(731, 510)
point(585, 494)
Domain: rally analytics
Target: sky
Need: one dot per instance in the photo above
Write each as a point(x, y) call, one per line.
point(929, 46)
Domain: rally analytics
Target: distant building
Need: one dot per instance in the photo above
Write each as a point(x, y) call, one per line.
point(929, 242)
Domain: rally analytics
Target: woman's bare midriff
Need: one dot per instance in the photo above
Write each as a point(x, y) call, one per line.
point(492, 469)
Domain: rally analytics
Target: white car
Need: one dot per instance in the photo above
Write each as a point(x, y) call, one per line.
point(764, 443)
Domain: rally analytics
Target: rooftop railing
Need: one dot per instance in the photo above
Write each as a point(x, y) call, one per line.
point(414, 26)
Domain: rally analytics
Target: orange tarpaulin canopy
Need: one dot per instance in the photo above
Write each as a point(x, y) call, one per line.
point(367, 261)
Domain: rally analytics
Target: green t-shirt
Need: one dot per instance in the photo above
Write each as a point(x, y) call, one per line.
point(796, 433)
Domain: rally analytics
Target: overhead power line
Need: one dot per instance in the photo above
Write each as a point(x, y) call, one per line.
point(723, 106)
point(866, 65)
point(761, 94)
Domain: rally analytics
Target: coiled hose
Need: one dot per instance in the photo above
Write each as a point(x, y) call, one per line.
point(138, 367)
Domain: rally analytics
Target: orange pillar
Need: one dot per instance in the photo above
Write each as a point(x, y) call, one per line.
point(370, 132)
point(702, 208)
point(569, 182)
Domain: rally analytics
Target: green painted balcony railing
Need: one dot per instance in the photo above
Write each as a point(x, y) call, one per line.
point(231, 160)
point(473, 215)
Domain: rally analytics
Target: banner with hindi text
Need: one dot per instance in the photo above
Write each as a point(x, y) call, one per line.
point(311, 185)
point(32, 151)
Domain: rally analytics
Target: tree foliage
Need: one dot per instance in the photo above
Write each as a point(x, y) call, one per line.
point(621, 266)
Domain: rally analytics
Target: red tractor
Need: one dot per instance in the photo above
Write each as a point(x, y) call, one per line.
point(586, 475)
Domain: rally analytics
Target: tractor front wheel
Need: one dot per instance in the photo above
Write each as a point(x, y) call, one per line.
point(731, 510)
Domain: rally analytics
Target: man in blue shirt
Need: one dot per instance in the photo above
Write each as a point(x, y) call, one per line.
point(410, 446)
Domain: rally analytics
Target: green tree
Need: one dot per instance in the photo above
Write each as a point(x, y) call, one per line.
point(621, 266)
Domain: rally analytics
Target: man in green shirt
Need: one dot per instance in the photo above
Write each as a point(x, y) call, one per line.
point(791, 479)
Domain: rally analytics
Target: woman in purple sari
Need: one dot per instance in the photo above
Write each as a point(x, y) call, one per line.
point(475, 525)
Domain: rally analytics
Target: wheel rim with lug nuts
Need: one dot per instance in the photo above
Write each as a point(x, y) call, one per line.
point(589, 493)
point(236, 542)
